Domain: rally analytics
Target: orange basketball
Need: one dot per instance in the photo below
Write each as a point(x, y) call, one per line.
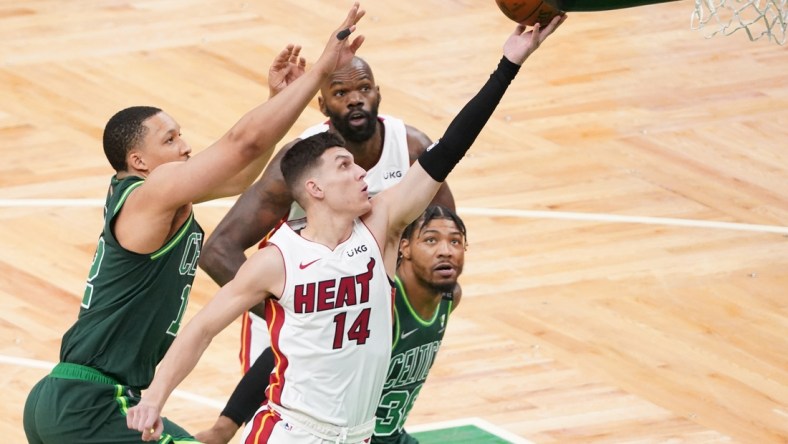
point(528, 12)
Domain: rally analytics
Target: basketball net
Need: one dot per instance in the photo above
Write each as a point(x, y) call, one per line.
point(758, 18)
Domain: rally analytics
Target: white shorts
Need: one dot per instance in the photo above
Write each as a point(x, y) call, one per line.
point(267, 426)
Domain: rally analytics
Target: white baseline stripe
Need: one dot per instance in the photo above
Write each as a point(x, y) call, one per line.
point(495, 212)
point(199, 399)
point(46, 365)
point(614, 218)
point(477, 422)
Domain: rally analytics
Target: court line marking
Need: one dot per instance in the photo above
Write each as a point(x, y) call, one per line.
point(46, 365)
point(495, 212)
point(528, 214)
point(204, 400)
point(477, 422)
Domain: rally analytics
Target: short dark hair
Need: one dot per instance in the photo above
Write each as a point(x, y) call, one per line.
point(305, 155)
point(124, 131)
point(434, 212)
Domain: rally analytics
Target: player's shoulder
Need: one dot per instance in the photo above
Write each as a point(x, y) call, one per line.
point(417, 140)
point(267, 256)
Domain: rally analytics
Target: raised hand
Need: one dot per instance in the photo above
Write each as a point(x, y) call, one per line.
point(340, 49)
point(286, 67)
point(522, 43)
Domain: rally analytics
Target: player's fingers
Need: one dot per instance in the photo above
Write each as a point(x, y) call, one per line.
point(351, 16)
point(356, 43)
point(554, 23)
point(535, 35)
point(343, 34)
point(519, 30)
point(152, 429)
point(348, 26)
point(283, 56)
point(293, 56)
point(135, 419)
point(130, 419)
point(361, 13)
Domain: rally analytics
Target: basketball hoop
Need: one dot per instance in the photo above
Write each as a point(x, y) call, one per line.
point(758, 18)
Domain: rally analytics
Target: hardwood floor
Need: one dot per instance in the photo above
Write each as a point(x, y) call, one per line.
point(627, 204)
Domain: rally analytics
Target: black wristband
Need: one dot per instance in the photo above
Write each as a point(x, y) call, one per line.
point(441, 157)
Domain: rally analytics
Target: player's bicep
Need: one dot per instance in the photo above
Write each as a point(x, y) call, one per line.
point(251, 286)
point(406, 200)
point(175, 184)
point(258, 210)
point(261, 276)
point(444, 197)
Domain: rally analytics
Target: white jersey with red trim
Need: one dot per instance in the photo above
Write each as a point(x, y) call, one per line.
point(331, 328)
point(390, 169)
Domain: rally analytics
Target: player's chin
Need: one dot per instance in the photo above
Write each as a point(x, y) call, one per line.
point(365, 207)
point(444, 285)
point(444, 278)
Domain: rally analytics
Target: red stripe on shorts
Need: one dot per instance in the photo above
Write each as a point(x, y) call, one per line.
point(262, 427)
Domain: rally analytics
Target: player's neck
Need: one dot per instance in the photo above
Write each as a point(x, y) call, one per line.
point(120, 175)
point(327, 229)
point(422, 298)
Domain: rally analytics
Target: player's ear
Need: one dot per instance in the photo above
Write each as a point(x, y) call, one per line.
point(322, 104)
point(404, 248)
point(313, 188)
point(135, 161)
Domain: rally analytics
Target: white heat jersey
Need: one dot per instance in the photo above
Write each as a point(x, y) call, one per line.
point(331, 328)
point(391, 167)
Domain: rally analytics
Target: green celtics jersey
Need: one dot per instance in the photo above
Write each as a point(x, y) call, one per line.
point(133, 303)
point(416, 344)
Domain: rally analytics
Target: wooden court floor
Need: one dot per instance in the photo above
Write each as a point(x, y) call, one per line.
point(627, 204)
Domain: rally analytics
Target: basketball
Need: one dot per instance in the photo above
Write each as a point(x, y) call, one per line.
point(528, 12)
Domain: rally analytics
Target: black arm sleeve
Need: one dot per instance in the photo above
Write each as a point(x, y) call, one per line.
point(603, 5)
point(441, 158)
point(249, 394)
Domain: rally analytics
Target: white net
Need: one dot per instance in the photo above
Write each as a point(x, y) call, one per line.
point(758, 18)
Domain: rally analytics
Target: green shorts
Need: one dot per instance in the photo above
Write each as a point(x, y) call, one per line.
point(402, 438)
point(77, 404)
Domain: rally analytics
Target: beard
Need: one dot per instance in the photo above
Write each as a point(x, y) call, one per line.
point(353, 133)
point(443, 287)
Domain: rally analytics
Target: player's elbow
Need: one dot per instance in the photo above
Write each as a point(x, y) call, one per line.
point(250, 144)
point(213, 256)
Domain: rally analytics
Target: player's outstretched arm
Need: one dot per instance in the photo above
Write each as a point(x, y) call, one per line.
point(600, 5)
point(255, 281)
point(406, 200)
point(285, 69)
point(253, 136)
point(418, 141)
